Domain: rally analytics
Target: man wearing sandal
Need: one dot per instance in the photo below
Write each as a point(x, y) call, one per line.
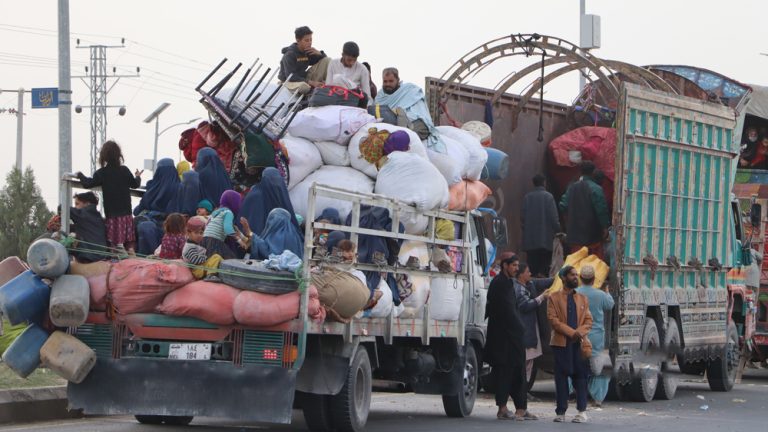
point(504, 349)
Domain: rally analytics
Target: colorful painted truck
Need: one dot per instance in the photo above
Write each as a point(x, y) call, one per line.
point(678, 231)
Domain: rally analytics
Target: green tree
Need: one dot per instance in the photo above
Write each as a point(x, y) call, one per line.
point(23, 213)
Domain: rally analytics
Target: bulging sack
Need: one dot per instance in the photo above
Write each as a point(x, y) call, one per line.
point(477, 156)
point(137, 286)
point(385, 304)
point(264, 310)
point(90, 269)
point(340, 177)
point(341, 291)
point(208, 301)
point(413, 180)
point(333, 153)
point(98, 295)
point(358, 161)
point(445, 298)
point(468, 195)
point(303, 156)
point(329, 123)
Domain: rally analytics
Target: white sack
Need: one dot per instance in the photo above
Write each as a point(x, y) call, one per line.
point(304, 158)
point(359, 163)
point(477, 156)
point(333, 153)
point(415, 302)
point(329, 123)
point(415, 248)
point(412, 180)
point(445, 298)
point(340, 177)
point(448, 168)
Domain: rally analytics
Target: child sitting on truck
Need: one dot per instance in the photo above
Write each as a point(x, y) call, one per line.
point(196, 255)
point(174, 239)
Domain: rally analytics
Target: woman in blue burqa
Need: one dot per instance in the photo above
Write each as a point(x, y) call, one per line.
point(153, 207)
point(188, 194)
point(213, 177)
point(268, 194)
point(279, 234)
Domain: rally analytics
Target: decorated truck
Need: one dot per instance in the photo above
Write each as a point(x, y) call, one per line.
point(680, 242)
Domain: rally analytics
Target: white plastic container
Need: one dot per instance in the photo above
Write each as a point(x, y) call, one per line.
point(48, 258)
point(70, 299)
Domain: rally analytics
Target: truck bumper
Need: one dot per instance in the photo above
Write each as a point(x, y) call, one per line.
point(186, 388)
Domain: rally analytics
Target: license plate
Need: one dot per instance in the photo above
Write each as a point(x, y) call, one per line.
point(189, 352)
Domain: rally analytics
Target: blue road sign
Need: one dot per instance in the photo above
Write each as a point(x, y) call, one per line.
point(45, 97)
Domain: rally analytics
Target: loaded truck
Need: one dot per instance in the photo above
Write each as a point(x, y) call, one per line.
point(680, 244)
point(165, 369)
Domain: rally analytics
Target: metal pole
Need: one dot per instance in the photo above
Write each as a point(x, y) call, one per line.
point(157, 136)
point(582, 12)
point(19, 129)
point(65, 111)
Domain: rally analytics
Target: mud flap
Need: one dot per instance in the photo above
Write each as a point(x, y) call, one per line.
point(186, 388)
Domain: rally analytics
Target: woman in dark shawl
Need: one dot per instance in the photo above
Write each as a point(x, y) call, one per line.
point(213, 177)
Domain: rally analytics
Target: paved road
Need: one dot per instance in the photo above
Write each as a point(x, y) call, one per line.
point(743, 409)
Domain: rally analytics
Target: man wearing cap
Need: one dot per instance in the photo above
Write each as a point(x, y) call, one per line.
point(570, 319)
point(347, 72)
point(504, 348)
point(599, 303)
point(302, 66)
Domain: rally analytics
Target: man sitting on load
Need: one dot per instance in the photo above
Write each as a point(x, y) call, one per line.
point(297, 58)
point(410, 98)
point(347, 72)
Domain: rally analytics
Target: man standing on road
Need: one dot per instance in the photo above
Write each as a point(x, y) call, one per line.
point(527, 290)
point(600, 302)
point(587, 212)
point(504, 349)
point(539, 225)
point(569, 316)
point(297, 58)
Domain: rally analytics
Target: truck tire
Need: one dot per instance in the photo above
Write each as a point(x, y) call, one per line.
point(177, 420)
point(667, 386)
point(721, 372)
point(317, 412)
point(161, 419)
point(644, 383)
point(349, 408)
point(149, 419)
point(461, 404)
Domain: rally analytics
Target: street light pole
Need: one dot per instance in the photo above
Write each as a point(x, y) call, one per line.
point(19, 129)
point(156, 117)
point(582, 42)
point(157, 137)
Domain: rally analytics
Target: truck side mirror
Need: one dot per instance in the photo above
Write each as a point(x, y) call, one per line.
point(500, 232)
point(754, 214)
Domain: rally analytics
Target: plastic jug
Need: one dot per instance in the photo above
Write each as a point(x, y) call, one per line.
point(10, 268)
point(25, 298)
point(70, 299)
point(48, 258)
point(23, 356)
point(67, 356)
point(497, 166)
